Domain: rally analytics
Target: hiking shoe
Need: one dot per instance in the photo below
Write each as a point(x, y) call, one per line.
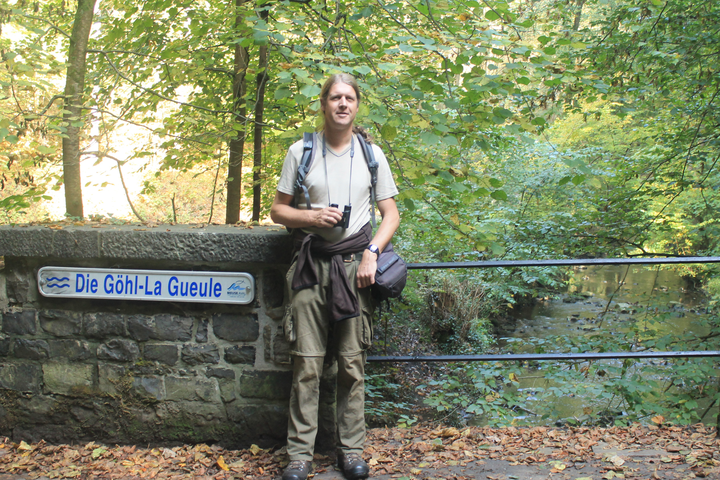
point(353, 466)
point(296, 470)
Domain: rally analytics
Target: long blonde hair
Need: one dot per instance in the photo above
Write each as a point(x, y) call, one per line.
point(347, 79)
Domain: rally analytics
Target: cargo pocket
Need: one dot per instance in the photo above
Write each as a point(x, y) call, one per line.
point(366, 333)
point(289, 325)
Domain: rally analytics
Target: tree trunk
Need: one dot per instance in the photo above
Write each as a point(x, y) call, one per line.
point(237, 144)
point(578, 14)
point(262, 78)
point(73, 108)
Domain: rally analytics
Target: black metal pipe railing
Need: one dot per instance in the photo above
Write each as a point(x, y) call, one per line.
point(546, 356)
point(564, 262)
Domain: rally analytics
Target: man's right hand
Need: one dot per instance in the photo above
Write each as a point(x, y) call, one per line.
point(328, 217)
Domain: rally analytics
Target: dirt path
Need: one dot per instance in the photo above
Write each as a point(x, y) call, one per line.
point(423, 452)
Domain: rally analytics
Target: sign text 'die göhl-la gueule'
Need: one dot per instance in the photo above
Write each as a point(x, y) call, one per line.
point(157, 285)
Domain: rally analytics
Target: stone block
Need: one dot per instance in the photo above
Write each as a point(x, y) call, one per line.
point(162, 327)
point(73, 350)
point(109, 378)
point(4, 347)
point(267, 341)
point(72, 243)
point(280, 348)
point(141, 327)
point(21, 377)
point(167, 354)
point(25, 242)
point(194, 354)
point(240, 355)
point(268, 385)
point(220, 244)
point(18, 287)
point(31, 349)
point(259, 423)
point(172, 328)
point(220, 372)
point(37, 408)
point(227, 390)
point(61, 323)
point(192, 389)
point(192, 421)
point(19, 323)
point(68, 379)
point(202, 332)
point(151, 388)
point(4, 302)
point(236, 328)
point(119, 350)
point(104, 325)
point(273, 289)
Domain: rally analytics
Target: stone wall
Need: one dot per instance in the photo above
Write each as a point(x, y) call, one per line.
point(114, 371)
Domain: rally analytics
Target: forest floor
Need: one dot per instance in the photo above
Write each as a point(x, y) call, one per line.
point(421, 452)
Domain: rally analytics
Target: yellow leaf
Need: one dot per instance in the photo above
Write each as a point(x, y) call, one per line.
point(221, 463)
point(24, 446)
point(658, 419)
point(254, 449)
point(450, 432)
point(513, 377)
point(372, 462)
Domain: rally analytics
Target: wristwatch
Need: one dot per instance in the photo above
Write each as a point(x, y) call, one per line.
point(374, 249)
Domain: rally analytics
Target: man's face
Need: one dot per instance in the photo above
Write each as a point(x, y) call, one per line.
point(340, 107)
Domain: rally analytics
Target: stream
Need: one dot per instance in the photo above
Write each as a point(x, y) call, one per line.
point(606, 297)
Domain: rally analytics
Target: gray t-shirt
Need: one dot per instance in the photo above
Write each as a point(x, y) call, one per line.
point(340, 185)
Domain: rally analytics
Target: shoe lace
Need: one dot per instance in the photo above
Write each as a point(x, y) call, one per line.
point(352, 458)
point(296, 464)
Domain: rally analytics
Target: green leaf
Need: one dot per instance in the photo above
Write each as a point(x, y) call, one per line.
point(281, 93)
point(388, 132)
point(492, 16)
point(46, 150)
point(409, 204)
point(499, 195)
point(363, 69)
point(311, 91)
point(578, 179)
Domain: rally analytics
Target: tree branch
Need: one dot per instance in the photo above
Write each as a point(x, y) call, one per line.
point(122, 179)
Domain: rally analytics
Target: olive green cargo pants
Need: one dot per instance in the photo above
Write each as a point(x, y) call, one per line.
point(311, 333)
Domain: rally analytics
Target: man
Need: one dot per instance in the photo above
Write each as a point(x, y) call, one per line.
point(329, 279)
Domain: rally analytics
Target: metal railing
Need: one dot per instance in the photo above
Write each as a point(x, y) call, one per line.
point(556, 356)
point(553, 356)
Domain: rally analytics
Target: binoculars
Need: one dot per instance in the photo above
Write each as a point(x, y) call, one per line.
point(345, 220)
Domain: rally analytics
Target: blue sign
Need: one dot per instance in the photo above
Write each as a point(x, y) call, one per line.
point(157, 285)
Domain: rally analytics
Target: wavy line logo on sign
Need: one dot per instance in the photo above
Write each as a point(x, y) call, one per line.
point(57, 284)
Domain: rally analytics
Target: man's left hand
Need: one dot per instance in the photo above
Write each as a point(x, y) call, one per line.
point(367, 269)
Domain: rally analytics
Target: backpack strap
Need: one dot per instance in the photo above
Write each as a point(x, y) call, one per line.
point(304, 167)
point(373, 167)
